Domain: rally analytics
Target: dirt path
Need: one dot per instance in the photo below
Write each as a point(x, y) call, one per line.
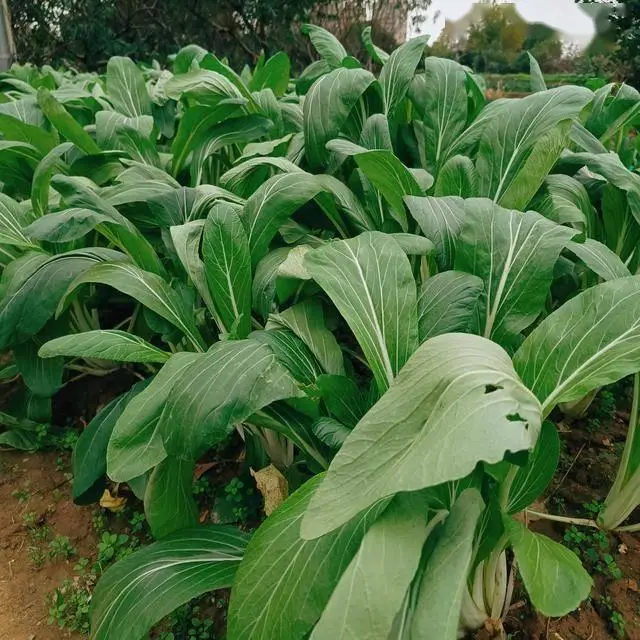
point(44, 492)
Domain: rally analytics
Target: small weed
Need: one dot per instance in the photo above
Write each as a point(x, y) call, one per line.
point(114, 546)
point(137, 522)
point(594, 508)
point(61, 548)
point(593, 425)
point(606, 406)
point(21, 495)
point(236, 495)
point(29, 519)
point(66, 442)
point(616, 619)
point(98, 522)
point(593, 547)
point(37, 527)
point(37, 556)
point(187, 623)
point(69, 606)
point(202, 487)
point(617, 622)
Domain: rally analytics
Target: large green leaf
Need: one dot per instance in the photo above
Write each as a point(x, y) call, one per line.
point(398, 71)
point(42, 177)
point(147, 288)
point(119, 230)
point(373, 587)
point(536, 167)
point(291, 352)
point(591, 341)
point(327, 107)
point(273, 75)
point(109, 123)
point(272, 204)
point(62, 120)
point(533, 478)
point(537, 77)
point(168, 500)
point(515, 127)
point(195, 128)
point(564, 200)
point(440, 220)
point(441, 97)
point(369, 279)
point(13, 219)
point(238, 178)
point(136, 445)
point(448, 303)
point(553, 576)
point(65, 226)
point(90, 452)
point(207, 87)
point(33, 285)
point(126, 87)
point(186, 241)
point(105, 344)
point(515, 254)
point(459, 393)
point(234, 131)
point(223, 387)
point(610, 167)
point(458, 177)
point(437, 609)
point(42, 377)
point(227, 266)
point(387, 174)
point(13, 128)
point(263, 290)
point(213, 63)
point(284, 582)
point(377, 54)
point(326, 44)
point(135, 593)
point(306, 320)
point(599, 258)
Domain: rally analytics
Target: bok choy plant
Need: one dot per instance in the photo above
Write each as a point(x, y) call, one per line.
point(385, 282)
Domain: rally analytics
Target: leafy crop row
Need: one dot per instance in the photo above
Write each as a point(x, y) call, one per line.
point(382, 281)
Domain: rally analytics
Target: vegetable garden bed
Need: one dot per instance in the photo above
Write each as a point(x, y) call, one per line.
point(365, 303)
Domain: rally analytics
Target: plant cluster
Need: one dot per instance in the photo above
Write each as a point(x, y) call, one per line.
point(383, 283)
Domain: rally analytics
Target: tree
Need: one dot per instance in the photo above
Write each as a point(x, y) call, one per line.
point(624, 18)
point(85, 33)
point(494, 43)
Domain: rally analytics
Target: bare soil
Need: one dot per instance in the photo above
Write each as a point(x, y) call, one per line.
point(23, 586)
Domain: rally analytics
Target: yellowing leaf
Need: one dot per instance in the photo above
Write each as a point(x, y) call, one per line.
point(112, 502)
point(273, 486)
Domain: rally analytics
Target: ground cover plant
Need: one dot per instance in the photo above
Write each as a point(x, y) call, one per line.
point(387, 286)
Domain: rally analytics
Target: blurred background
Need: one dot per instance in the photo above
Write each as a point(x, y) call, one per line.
point(586, 42)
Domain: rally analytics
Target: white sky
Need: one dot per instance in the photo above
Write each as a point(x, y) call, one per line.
point(563, 15)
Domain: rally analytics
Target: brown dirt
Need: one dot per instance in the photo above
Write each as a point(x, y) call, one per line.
point(23, 587)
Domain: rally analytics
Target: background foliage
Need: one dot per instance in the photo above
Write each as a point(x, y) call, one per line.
point(86, 33)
